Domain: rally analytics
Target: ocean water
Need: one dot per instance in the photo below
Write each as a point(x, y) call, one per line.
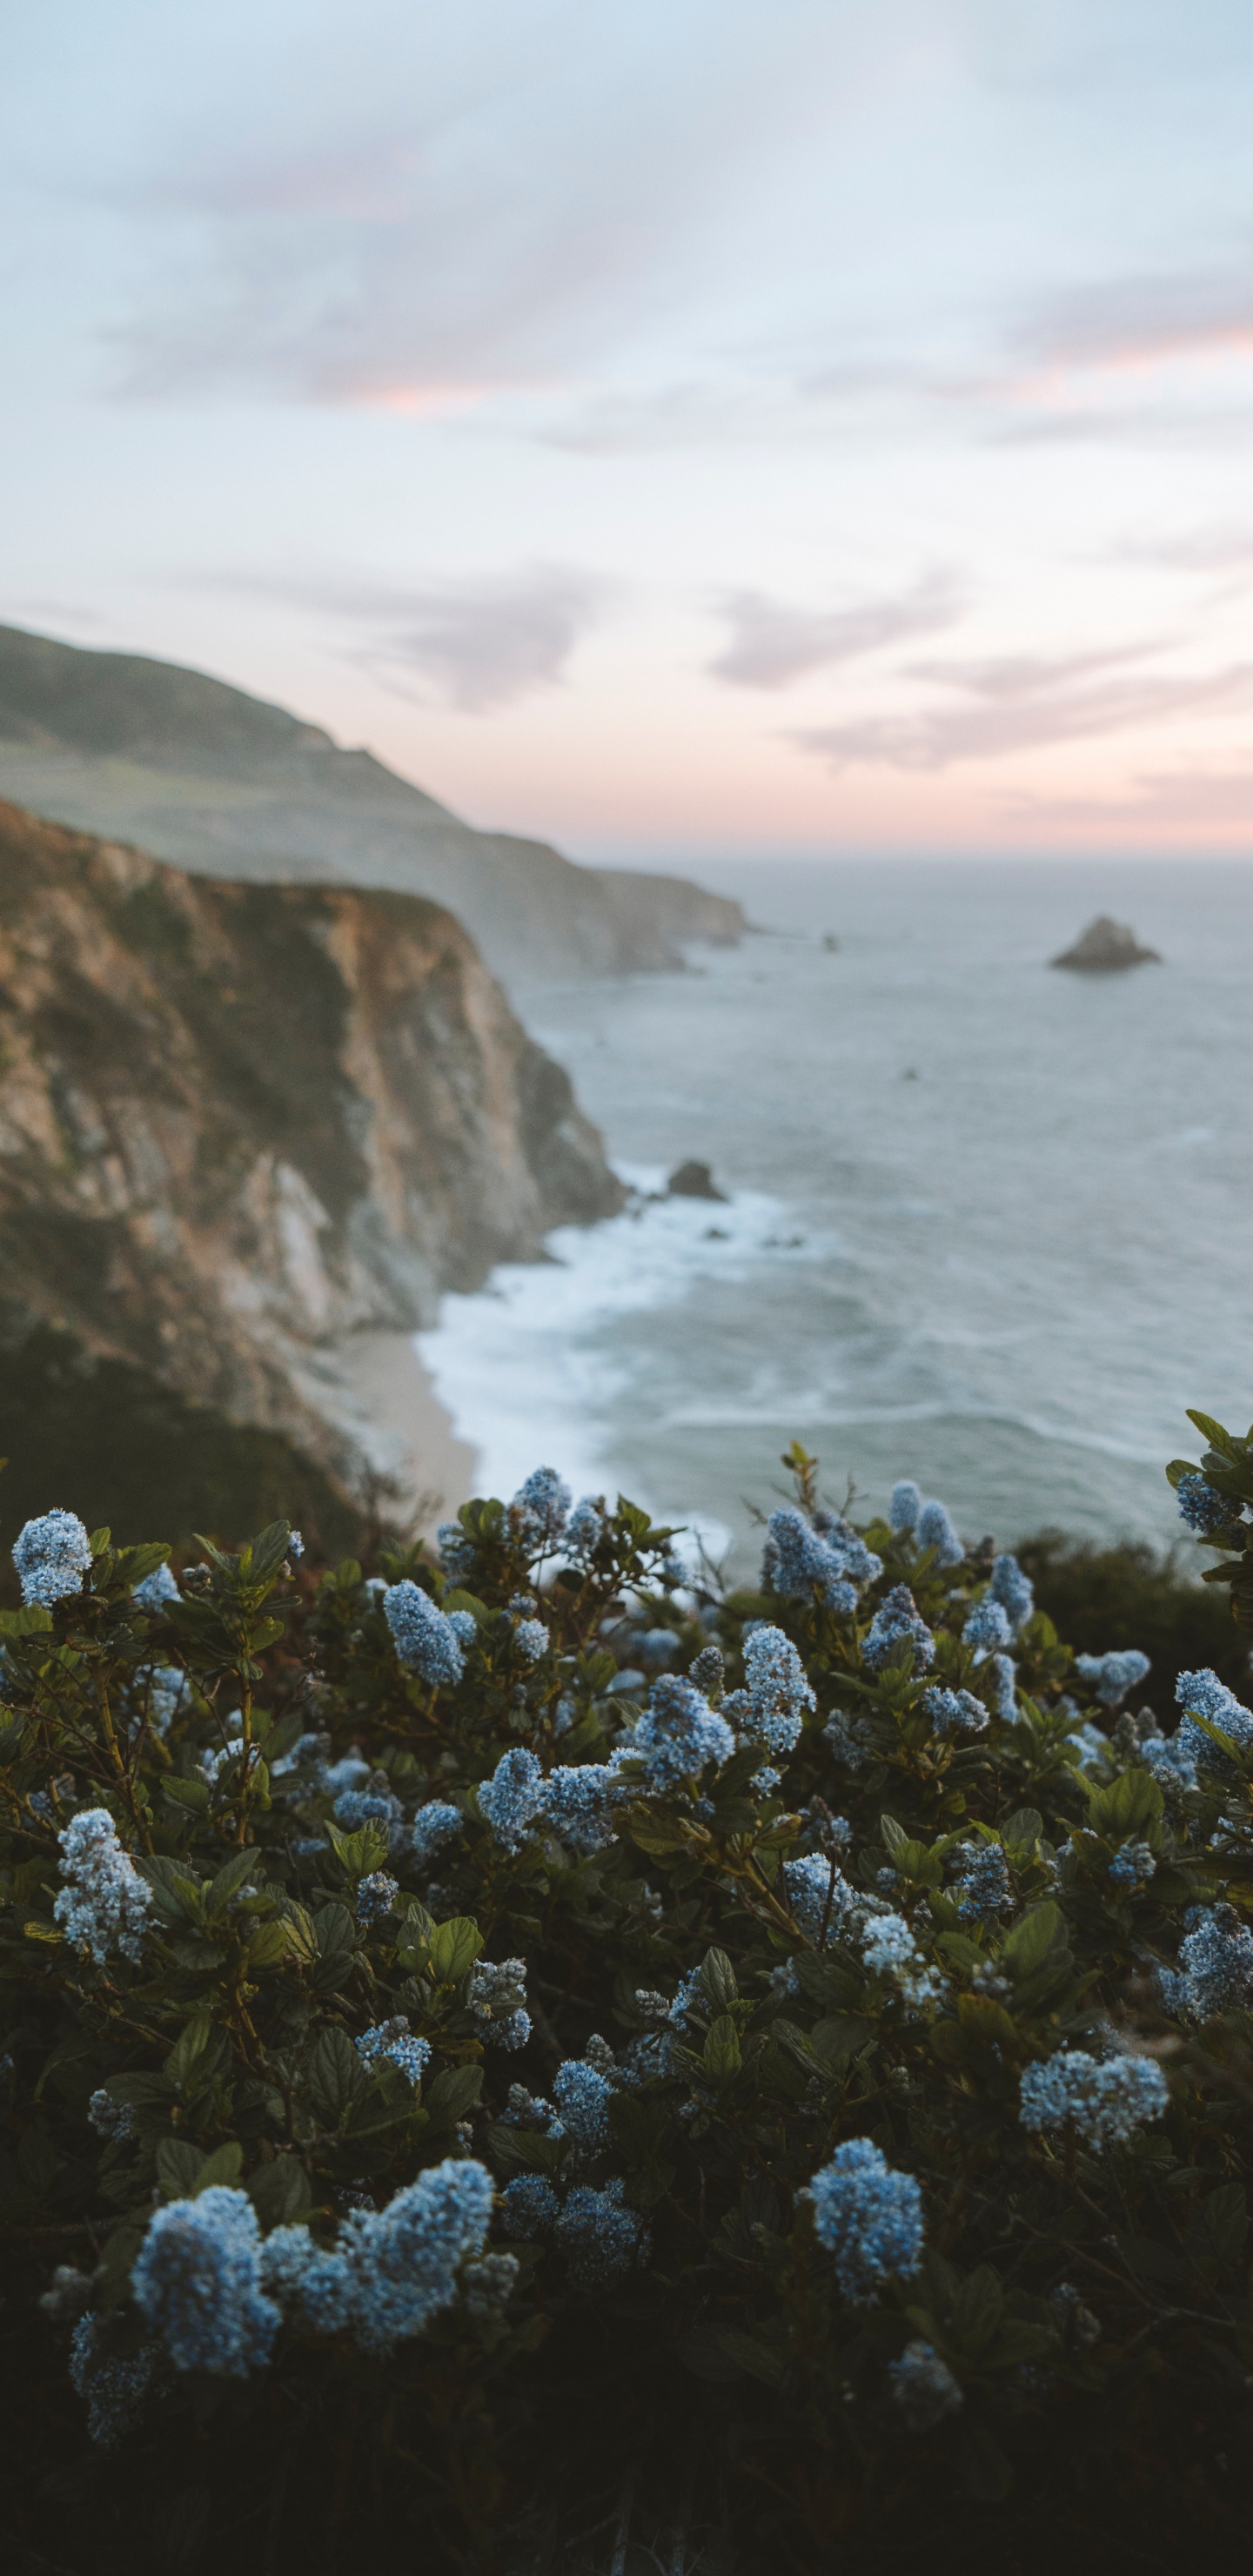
point(987, 1225)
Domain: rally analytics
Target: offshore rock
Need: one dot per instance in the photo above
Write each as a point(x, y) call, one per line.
point(241, 1125)
point(694, 1181)
point(1106, 948)
point(226, 785)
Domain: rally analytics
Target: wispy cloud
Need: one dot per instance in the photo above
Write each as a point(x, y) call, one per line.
point(1139, 320)
point(772, 643)
point(1023, 703)
point(479, 645)
point(1185, 800)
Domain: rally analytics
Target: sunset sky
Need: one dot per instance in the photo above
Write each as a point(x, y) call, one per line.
point(664, 426)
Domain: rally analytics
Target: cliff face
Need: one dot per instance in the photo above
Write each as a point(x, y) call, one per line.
point(241, 1123)
point(214, 780)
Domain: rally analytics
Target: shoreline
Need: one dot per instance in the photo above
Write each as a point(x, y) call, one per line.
point(419, 1451)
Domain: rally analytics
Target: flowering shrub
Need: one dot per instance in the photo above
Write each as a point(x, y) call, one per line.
point(447, 2067)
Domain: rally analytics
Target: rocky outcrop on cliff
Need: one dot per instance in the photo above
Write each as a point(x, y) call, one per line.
point(241, 1124)
point(214, 780)
point(1106, 948)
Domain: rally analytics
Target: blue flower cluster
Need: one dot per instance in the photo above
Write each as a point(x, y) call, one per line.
point(395, 2044)
point(497, 1982)
point(1202, 1694)
point(1133, 1865)
point(583, 2096)
point(600, 2237)
point(888, 1949)
point(585, 1529)
point(803, 1563)
point(1013, 1589)
point(679, 1733)
point(105, 1905)
point(869, 2217)
point(954, 1712)
point(394, 2269)
point(895, 1618)
point(115, 2387)
point(510, 1800)
point(988, 1626)
point(531, 1640)
point(156, 1589)
point(530, 2207)
point(197, 2283)
point(541, 1508)
point(432, 1827)
point(923, 2386)
point(110, 2119)
point(1215, 1972)
point(424, 1638)
point(1105, 2099)
point(1114, 1674)
point(773, 1705)
point(578, 1803)
point(1203, 1507)
point(983, 1890)
point(373, 1806)
point(52, 1555)
point(1004, 1675)
point(818, 1894)
point(929, 1522)
point(376, 1896)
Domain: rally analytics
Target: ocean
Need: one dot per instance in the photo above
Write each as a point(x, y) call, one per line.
point(986, 1225)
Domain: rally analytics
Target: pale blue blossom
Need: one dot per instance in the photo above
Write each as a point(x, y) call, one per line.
point(601, 2238)
point(583, 2096)
point(1111, 1676)
point(393, 2042)
point(156, 1589)
point(1201, 1694)
point(105, 1905)
point(530, 2207)
point(531, 1639)
point(578, 1801)
point(434, 1825)
point(1215, 1972)
point(376, 1896)
point(988, 1626)
point(1106, 2099)
point(197, 2283)
point(1204, 1508)
point(542, 1506)
point(869, 2217)
point(52, 1555)
point(679, 1733)
point(510, 1800)
point(116, 2388)
point(585, 1529)
point(935, 1529)
point(898, 1617)
point(424, 1638)
point(801, 1565)
point(1013, 1589)
point(954, 1712)
point(904, 1505)
point(923, 2386)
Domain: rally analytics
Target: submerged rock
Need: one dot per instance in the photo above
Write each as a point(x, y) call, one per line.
point(1105, 949)
point(693, 1181)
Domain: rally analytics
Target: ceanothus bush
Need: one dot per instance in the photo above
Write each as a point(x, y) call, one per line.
point(457, 2069)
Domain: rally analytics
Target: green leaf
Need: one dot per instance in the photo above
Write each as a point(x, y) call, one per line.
point(1217, 2229)
point(893, 1834)
point(454, 1947)
point(722, 2057)
point(359, 1854)
point(1025, 1826)
point(749, 2355)
point(33, 1621)
point(1215, 1434)
point(224, 2165)
point(838, 2037)
point(230, 1877)
point(1027, 1946)
point(280, 2192)
point(982, 2466)
point(335, 2076)
point(178, 2165)
point(194, 1795)
point(262, 1560)
point(188, 2050)
point(453, 2093)
point(718, 1983)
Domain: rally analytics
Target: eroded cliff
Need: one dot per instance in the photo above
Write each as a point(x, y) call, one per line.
point(241, 1125)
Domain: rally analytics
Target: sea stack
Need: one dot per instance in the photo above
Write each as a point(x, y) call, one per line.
point(1105, 949)
point(694, 1181)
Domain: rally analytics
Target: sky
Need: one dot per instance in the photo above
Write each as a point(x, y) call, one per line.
point(665, 427)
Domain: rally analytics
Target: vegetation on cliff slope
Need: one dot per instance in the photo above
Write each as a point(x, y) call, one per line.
point(519, 2047)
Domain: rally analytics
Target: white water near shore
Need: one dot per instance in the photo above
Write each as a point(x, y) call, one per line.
point(989, 1225)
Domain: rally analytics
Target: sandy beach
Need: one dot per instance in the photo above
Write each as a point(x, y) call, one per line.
point(418, 1448)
